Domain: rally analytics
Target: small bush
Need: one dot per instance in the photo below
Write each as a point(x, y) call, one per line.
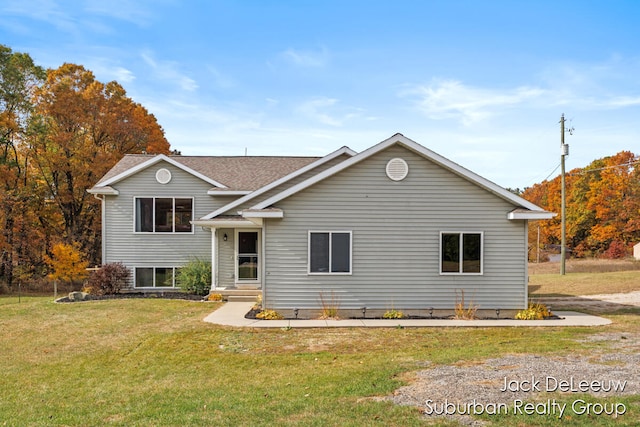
point(258, 303)
point(393, 314)
point(616, 250)
point(462, 311)
point(535, 311)
point(269, 315)
point(330, 305)
point(108, 280)
point(195, 277)
point(215, 297)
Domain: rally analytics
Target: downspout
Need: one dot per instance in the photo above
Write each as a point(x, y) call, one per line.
point(264, 263)
point(526, 263)
point(103, 226)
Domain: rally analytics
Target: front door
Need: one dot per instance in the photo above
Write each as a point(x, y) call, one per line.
point(247, 267)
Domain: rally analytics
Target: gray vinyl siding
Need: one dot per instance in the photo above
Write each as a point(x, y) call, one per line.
point(123, 245)
point(395, 240)
point(289, 184)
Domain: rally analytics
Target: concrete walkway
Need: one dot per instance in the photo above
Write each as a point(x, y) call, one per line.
point(232, 314)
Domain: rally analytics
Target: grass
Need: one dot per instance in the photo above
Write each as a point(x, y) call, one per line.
point(585, 277)
point(154, 362)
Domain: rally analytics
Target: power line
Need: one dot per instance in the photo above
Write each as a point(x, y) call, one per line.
point(628, 164)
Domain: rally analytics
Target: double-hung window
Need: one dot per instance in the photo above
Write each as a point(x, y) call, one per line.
point(329, 252)
point(163, 215)
point(461, 252)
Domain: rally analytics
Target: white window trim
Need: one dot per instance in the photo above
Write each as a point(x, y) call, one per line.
point(330, 273)
point(175, 286)
point(193, 211)
point(460, 272)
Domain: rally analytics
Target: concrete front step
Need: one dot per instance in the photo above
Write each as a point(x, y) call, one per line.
point(239, 295)
point(241, 298)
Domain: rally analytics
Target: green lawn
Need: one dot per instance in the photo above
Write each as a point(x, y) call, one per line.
point(584, 283)
point(154, 362)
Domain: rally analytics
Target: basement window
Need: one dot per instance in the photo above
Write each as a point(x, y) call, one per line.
point(155, 277)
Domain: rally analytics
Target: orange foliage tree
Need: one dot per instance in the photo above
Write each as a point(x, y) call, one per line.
point(82, 127)
point(60, 131)
point(20, 244)
point(603, 206)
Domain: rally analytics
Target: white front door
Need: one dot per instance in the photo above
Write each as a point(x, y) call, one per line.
point(247, 257)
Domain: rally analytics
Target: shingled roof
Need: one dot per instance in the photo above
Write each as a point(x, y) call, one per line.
point(243, 173)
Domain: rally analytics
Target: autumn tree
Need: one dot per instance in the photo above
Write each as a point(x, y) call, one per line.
point(20, 241)
point(66, 263)
point(82, 127)
point(603, 205)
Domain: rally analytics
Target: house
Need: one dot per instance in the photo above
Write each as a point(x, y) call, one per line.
point(396, 226)
point(636, 251)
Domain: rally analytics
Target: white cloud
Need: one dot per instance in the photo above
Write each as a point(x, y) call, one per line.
point(307, 58)
point(328, 111)
point(445, 99)
point(41, 10)
point(124, 10)
point(168, 71)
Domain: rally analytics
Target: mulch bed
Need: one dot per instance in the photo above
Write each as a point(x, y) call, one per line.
point(132, 295)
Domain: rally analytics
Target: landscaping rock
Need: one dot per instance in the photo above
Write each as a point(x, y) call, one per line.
point(77, 296)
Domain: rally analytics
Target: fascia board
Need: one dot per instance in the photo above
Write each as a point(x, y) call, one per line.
point(152, 161)
point(417, 148)
point(344, 150)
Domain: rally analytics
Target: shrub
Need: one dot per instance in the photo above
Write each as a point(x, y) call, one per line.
point(535, 311)
point(269, 315)
point(330, 305)
point(195, 277)
point(462, 311)
point(108, 280)
point(616, 250)
point(393, 314)
point(258, 303)
point(215, 297)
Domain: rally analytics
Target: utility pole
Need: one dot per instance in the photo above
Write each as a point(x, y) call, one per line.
point(563, 241)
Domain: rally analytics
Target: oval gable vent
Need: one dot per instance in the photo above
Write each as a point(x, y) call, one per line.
point(397, 169)
point(163, 176)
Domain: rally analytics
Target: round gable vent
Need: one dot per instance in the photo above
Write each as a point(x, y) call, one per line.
point(397, 169)
point(163, 176)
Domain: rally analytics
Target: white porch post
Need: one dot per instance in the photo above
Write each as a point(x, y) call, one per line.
point(214, 251)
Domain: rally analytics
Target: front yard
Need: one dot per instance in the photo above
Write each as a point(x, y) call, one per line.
point(155, 362)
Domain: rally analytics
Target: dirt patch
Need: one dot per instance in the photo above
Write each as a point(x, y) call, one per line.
point(602, 303)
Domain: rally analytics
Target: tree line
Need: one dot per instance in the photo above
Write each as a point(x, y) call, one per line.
point(602, 207)
point(60, 131)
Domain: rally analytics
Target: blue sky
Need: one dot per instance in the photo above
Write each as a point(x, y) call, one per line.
point(482, 83)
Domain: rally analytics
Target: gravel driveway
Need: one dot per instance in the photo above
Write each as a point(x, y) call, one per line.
point(507, 384)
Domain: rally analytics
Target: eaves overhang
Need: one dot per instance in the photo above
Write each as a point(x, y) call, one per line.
point(519, 213)
point(103, 191)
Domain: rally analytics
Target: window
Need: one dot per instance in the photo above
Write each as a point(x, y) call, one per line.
point(461, 253)
point(155, 277)
point(330, 252)
point(163, 215)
